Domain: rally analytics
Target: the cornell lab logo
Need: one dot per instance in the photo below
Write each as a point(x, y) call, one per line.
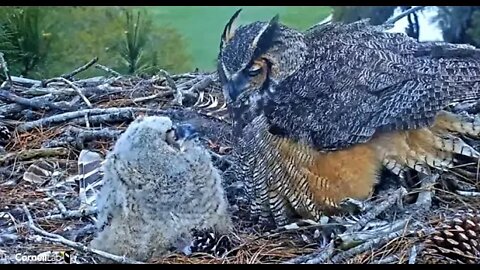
point(67, 256)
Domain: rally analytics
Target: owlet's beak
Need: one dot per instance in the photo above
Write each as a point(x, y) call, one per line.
point(180, 134)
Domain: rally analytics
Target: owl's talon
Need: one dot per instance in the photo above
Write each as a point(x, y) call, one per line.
point(352, 206)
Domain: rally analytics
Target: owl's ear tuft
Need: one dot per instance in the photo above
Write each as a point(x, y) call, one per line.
point(229, 30)
point(265, 38)
point(274, 21)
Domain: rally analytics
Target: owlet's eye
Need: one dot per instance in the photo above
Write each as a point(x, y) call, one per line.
point(254, 70)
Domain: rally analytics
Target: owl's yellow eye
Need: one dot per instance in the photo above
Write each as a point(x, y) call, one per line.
point(254, 70)
point(258, 67)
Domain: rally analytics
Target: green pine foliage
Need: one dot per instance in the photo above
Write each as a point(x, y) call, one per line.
point(41, 43)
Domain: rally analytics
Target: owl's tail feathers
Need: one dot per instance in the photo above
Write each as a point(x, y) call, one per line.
point(438, 147)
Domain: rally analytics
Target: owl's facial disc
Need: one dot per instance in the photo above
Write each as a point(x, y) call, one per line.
point(249, 80)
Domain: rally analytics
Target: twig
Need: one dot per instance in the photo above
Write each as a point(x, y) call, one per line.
point(178, 96)
point(159, 95)
point(387, 260)
point(25, 82)
point(60, 205)
point(108, 70)
point(3, 65)
point(320, 256)
point(355, 237)
point(424, 200)
point(377, 210)
point(403, 14)
point(468, 193)
point(65, 117)
point(66, 215)
point(345, 255)
point(78, 90)
point(413, 255)
point(104, 118)
point(83, 135)
point(55, 238)
point(325, 255)
point(80, 69)
point(204, 83)
point(33, 153)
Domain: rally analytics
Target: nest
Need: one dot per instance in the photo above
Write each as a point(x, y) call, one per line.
point(47, 123)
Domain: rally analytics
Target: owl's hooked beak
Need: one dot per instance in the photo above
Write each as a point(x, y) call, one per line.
point(236, 86)
point(180, 134)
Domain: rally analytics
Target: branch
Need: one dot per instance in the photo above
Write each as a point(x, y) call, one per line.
point(424, 200)
point(25, 82)
point(78, 90)
point(413, 255)
point(55, 238)
point(178, 95)
point(80, 69)
point(378, 209)
point(350, 238)
point(33, 153)
point(31, 103)
point(316, 257)
point(83, 135)
point(108, 70)
point(403, 14)
point(468, 193)
point(345, 255)
point(65, 215)
point(387, 260)
point(65, 117)
point(4, 67)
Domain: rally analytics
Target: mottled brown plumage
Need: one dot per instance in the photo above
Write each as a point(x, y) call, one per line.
point(318, 113)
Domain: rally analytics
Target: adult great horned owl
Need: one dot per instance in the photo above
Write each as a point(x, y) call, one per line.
point(159, 185)
point(317, 114)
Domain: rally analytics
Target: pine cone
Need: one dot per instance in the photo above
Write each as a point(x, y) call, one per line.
point(456, 240)
point(210, 242)
point(5, 135)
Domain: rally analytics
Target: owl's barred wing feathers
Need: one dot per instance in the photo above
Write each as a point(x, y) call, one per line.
point(318, 114)
point(359, 80)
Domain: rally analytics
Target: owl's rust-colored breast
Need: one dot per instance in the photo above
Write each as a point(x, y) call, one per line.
point(333, 176)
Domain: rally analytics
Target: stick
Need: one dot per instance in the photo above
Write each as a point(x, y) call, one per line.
point(413, 255)
point(55, 238)
point(3, 65)
point(104, 118)
point(83, 135)
point(178, 95)
point(33, 153)
point(65, 117)
point(80, 69)
point(108, 70)
point(324, 256)
point(377, 210)
point(345, 255)
point(31, 103)
point(320, 256)
point(354, 237)
point(424, 200)
point(468, 193)
point(59, 204)
point(66, 215)
point(388, 260)
point(78, 90)
point(403, 14)
point(154, 96)
point(25, 82)
point(202, 84)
